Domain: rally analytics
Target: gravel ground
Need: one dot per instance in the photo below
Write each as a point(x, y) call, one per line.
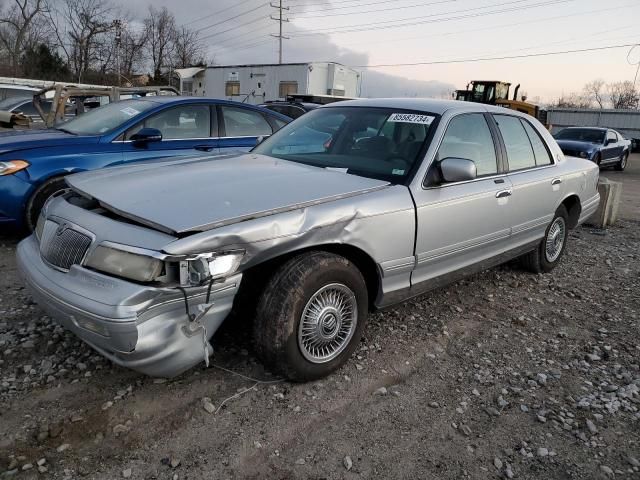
point(502, 375)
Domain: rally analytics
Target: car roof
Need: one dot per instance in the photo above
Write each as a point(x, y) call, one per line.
point(283, 103)
point(428, 105)
point(601, 129)
point(180, 99)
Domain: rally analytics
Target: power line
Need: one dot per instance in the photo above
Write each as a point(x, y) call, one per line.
point(369, 24)
point(486, 59)
point(250, 45)
point(246, 12)
point(235, 27)
point(383, 25)
point(375, 11)
point(233, 38)
point(367, 4)
point(325, 4)
point(217, 13)
point(493, 27)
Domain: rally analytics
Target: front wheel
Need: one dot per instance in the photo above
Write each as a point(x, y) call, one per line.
point(311, 315)
point(38, 199)
point(622, 164)
point(548, 253)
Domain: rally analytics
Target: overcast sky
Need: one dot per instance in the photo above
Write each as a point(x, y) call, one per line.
point(438, 30)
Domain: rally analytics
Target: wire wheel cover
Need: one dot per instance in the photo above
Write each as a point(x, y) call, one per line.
point(328, 323)
point(555, 239)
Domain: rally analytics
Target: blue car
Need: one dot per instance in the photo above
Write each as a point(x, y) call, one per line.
point(603, 146)
point(33, 163)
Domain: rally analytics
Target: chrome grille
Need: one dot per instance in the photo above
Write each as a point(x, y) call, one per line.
point(62, 246)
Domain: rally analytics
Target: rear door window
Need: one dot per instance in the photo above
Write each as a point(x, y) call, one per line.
point(242, 122)
point(519, 150)
point(543, 157)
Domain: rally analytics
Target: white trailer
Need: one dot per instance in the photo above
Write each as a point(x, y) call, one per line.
point(257, 84)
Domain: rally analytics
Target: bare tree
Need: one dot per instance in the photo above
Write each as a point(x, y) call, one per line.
point(594, 91)
point(161, 31)
point(132, 51)
point(80, 27)
point(623, 95)
point(573, 100)
point(188, 49)
point(21, 29)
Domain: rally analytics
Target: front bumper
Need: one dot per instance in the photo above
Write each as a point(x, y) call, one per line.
point(136, 326)
point(14, 191)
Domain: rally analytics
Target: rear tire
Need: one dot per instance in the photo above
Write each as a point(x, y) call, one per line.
point(622, 164)
point(38, 199)
point(549, 252)
point(310, 316)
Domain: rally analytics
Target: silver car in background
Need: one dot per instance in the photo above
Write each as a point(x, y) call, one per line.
point(352, 207)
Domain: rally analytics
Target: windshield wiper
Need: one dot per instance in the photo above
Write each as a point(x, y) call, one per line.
point(65, 130)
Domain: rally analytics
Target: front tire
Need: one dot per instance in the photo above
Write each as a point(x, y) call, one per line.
point(548, 253)
point(622, 164)
point(310, 316)
point(38, 199)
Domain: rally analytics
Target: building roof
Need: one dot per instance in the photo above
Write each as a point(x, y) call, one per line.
point(188, 72)
point(273, 65)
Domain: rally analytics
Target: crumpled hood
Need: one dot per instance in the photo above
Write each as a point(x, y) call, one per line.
point(577, 145)
point(16, 140)
point(190, 195)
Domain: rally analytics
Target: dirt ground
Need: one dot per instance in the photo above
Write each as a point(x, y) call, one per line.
point(503, 375)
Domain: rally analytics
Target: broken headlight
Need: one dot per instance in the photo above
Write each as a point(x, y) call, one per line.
point(141, 268)
point(209, 267)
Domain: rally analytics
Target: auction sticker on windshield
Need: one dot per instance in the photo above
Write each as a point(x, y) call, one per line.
point(132, 112)
point(411, 118)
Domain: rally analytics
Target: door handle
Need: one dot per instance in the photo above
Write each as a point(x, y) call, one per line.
point(204, 148)
point(556, 181)
point(503, 193)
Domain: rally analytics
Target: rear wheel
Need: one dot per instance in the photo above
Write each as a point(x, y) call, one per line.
point(38, 199)
point(310, 316)
point(548, 253)
point(622, 164)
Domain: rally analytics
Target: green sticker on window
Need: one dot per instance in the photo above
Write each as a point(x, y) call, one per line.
point(397, 171)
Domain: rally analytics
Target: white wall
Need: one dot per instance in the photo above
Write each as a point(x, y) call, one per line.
point(260, 83)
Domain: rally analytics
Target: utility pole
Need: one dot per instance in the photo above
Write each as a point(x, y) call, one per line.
point(279, 19)
point(118, 26)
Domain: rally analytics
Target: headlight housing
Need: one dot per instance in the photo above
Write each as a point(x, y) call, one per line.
point(141, 268)
point(584, 154)
point(10, 167)
point(145, 266)
point(211, 266)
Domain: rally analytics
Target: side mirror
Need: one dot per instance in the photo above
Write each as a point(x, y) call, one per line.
point(457, 169)
point(259, 140)
point(609, 141)
point(146, 135)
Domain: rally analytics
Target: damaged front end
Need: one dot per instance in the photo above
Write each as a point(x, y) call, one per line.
point(141, 308)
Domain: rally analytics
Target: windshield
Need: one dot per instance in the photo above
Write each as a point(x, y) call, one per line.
point(106, 118)
point(581, 135)
point(378, 143)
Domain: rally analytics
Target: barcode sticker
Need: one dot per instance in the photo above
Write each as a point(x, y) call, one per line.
point(411, 118)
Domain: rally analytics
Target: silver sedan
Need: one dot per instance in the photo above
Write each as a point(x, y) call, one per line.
point(352, 207)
